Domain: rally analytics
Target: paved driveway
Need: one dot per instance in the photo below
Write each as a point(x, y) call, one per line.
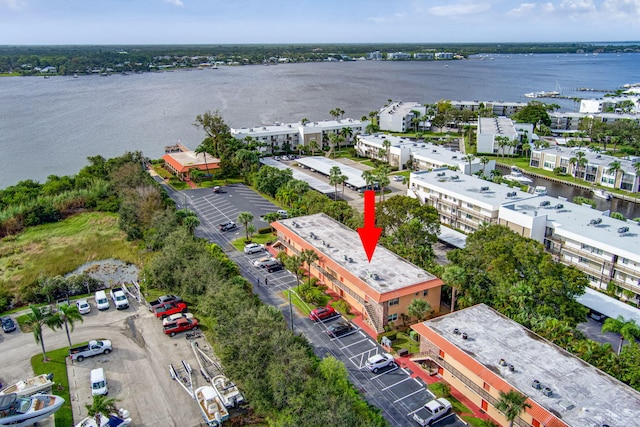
point(393, 390)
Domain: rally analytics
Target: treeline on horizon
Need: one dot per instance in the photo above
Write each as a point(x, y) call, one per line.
point(76, 58)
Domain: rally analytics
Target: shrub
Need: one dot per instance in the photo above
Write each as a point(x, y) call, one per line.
point(342, 306)
point(440, 389)
point(617, 215)
point(264, 230)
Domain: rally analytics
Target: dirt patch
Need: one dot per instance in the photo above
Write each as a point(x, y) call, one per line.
point(130, 331)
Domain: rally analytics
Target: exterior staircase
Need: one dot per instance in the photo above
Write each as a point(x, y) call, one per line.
point(372, 318)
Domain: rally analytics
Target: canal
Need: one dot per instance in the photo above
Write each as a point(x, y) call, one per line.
point(628, 209)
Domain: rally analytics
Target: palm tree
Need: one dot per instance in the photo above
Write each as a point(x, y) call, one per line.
point(419, 308)
point(368, 177)
point(101, 405)
point(526, 148)
point(456, 277)
point(271, 217)
point(308, 256)
point(304, 121)
point(347, 133)
point(628, 329)
point(573, 161)
point(469, 158)
point(202, 148)
point(387, 147)
point(336, 177)
point(66, 315)
point(293, 264)
point(313, 146)
point(511, 404)
point(416, 119)
point(381, 174)
point(614, 168)
point(484, 160)
point(245, 218)
point(37, 319)
point(501, 142)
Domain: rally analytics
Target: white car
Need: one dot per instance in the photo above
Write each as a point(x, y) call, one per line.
point(379, 361)
point(253, 248)
point(398, 178)
point(174, 317)
point(283, 214)
point(83, 306)
point(259, 262)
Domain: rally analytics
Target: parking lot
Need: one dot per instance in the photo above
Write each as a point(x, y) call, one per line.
point(136, 370)
point(392, 389)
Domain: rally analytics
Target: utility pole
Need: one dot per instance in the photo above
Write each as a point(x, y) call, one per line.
point(290, 311)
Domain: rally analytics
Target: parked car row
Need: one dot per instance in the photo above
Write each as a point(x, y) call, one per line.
point(174, 314)
point(268, 263)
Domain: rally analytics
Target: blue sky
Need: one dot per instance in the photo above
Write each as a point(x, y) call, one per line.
point(315, 21)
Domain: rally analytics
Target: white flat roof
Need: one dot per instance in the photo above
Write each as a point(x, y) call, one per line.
point(594, 159)
point(468, 188)
point(497, 126)
point(581, 394)
point(608, 306)
point(574, 221)
point(452, 237)
point(314, 183)
point(324, 165)
point(342, 245)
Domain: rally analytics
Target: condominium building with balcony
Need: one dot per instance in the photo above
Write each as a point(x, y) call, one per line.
point(398, 116)
point(606, 249)
point(499, 108)
point(570, 122)
point(381, 289)
point(403, 153)
point(491, 129)
point(596, 170)
point(481, 353)
point(280, 136)
point(463, 202)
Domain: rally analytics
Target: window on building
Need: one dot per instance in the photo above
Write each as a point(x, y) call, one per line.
point(394, 301)
point(535, 423)
point(583, 260)
point(486, 386)
point(425, 292)
point(392, 317)
point(441, 353)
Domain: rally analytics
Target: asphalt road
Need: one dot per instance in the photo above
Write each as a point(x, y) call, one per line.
point(392, 390)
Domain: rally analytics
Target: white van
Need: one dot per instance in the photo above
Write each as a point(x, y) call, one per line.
point(101, 300)
point(98, 382)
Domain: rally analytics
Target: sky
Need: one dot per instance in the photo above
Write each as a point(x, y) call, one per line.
point(315, 21)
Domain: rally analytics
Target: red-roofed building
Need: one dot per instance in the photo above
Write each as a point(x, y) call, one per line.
point(183, 162)
point(381, 289)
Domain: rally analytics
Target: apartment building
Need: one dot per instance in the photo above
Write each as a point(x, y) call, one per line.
point(463, 202)
point(569, 122)
point(597, 170)
point(398, 116)
point(482, 353)
point(607, 250)
point(499, 108)
point(381, 289)
point(625, 103)
point(283, 136)
point(490, 128)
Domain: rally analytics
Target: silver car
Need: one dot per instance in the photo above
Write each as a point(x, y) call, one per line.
point(379, 361)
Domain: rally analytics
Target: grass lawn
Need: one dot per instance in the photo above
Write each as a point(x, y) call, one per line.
point(368, 163)
point(403, 340)
point(475, 422)
point(59, 248)
point(57, 366)
point(257, 238)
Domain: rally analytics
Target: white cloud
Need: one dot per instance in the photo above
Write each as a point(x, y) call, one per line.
point(459, 9)
point(622, 8)
point(13, 4)
point(523, 9)
point(176, 2)
point(547, 7)
point(577, 5)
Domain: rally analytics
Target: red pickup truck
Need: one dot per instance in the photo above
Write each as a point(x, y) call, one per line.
point(169, 308)
point(180, 325)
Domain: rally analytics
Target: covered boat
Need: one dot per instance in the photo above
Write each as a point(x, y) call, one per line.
point(228, 391)
point(121, 419)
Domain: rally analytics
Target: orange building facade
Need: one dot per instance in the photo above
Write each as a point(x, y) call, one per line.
point(480, 353)
point(381, 289)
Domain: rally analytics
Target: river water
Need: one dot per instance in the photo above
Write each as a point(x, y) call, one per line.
point(50, 126)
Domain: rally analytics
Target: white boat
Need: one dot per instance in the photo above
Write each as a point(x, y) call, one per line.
point(540, 190)
point(27, 387)
point(516, 175)
point(228, 391)
point(23, 411)
point(542, 94)
point(121, 419)
point(601, 194)
point(213, 411)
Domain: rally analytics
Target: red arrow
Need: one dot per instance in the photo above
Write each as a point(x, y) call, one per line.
point(369, 234)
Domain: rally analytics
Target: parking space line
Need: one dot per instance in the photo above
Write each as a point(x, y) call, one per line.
point(357, 342)
point(384, 373)
point(415, 392)
point(399, 382)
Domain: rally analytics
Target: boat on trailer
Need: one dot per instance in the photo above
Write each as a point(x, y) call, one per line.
point(23, 411)
point(39, 384)
point(227, 390)
point(211, 406)
point(121, 419)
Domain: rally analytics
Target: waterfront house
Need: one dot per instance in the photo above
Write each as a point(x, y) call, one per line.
point(399, 116)
point(182, 162)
